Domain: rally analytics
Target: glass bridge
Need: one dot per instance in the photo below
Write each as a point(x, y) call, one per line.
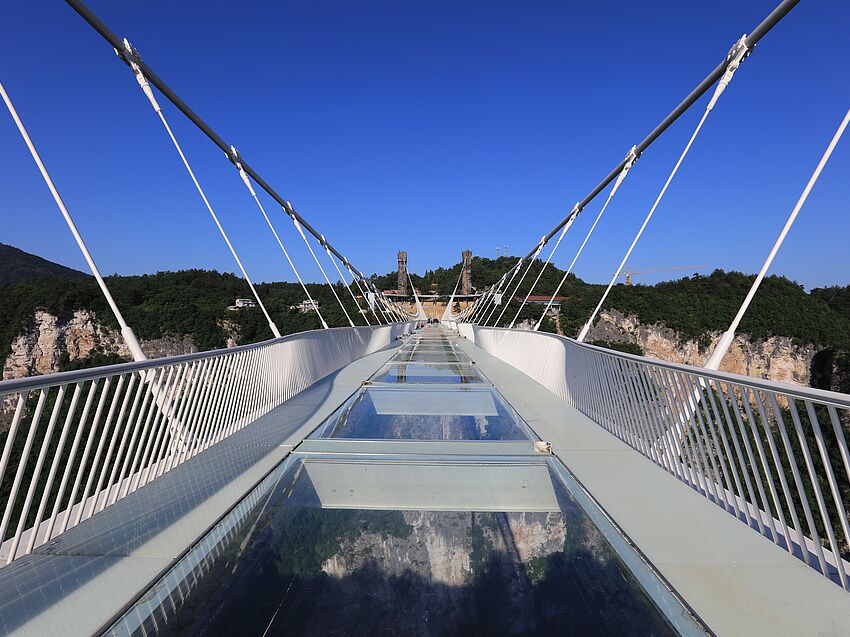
point(423, 505)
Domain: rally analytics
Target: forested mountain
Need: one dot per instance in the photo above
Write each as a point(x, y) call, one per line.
point(692, 306)
point(190, 302)
point(194, 304)
point(17, 265)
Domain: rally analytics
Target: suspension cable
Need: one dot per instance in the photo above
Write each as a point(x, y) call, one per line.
point(735, 57)
point(127, 333)
point(342, 278)
point(116, 42)
point(375, 301)
point(289, 210)
point(420, 311)
point(476, 306)
point(521, 279)
point(567, 225)
point(248, 185)
point(631, 157)
point(494, 296)
point(447, 315)
point(382, 300)
point(729, 335)
point(131, 56)
point(356, 281)
point(772, 19)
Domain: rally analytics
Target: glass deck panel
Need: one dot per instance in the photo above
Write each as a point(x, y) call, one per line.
point(423, 373)
point(425, 413)
point(431, 357)
point(293, 565)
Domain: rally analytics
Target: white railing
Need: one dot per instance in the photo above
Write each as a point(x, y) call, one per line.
point(76, 442)
point(773, 455)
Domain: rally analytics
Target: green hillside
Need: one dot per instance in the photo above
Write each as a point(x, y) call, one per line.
point(17, 265)
point(192, 302)
point(692, 306)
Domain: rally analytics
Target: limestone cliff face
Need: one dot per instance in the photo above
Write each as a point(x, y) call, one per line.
point(50, 339)
point(440, 545)
point(231, 331)
point(42, 347)
point(777, 358)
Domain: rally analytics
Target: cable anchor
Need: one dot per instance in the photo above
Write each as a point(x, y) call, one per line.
point(736, 55)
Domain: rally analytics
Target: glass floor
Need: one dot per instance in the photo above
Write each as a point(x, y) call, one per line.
point(425, 413)
point(379, 540)
point(426, 373)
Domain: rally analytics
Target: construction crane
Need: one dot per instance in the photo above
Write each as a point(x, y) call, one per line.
point(628, 272)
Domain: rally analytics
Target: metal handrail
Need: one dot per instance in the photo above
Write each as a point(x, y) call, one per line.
point(48, 380)
point(834, 398)
point(772, 454)
point(79, 441)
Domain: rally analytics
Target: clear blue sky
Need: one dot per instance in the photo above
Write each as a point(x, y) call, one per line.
point(430, 127)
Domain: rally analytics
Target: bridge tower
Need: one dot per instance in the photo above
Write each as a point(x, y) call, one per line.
point(402, 272)
point(466, 273)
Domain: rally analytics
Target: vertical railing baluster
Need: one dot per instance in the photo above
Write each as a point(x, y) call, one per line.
point(830, 477)
point(771, 443)
point(792, 462)
point(724, 423)
point(70, 463)
point(39, 464)
point(54, 467)
point(21, 469)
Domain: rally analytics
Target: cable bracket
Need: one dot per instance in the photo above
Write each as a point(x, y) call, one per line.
point(736, 55)
point(134, 60)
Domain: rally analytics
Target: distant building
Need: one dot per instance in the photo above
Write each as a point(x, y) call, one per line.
point(306, 306)
point(242, 303)
point(543, 299)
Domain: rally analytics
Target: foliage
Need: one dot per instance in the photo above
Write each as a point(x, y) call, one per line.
point(18, 266)
point(191, 302)
point(194, 303)
point(698, 305)
point(619, 346)
point(305, 537)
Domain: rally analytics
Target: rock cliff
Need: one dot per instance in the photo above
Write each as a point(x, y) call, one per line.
point(51, 340)
point(777, 358)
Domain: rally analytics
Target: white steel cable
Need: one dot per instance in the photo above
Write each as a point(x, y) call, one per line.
point(420, 311)
point(383, 303)
point(575, 212)
point(521, 279)
point(630, 160)
point(447, 315)
point(146, 88)
point(497, 297)
point(376, 302)
point(126, 332)
point(737, 55)
point(490, 295)
point(356, 281)
point(728, 336)
point(342, 278)
point(316, 259)
point(251, 190)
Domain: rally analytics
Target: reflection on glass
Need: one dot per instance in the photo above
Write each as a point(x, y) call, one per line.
point(304, 570)
point(424, 413)
point(431, 357)
point(414, 373)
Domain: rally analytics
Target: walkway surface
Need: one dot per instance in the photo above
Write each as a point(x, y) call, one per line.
point(736, 581)
point(435, 424)
point(79, 581)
